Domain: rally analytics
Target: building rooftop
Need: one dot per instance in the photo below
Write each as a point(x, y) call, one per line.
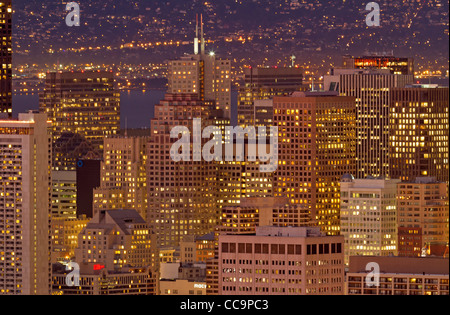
point(275, 231)
point(401, 265)
point(108, 219)
point(425, 86)
point(315, 94)
point(206, 237)
point(423, 180)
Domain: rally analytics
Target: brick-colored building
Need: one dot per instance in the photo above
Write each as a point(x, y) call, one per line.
point(423, 205)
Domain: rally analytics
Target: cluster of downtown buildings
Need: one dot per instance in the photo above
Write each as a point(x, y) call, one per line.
point(362, 178)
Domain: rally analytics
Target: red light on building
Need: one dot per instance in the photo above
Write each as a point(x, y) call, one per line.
point(98, 267)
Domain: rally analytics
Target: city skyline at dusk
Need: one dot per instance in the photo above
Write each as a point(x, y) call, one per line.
point(206, 149)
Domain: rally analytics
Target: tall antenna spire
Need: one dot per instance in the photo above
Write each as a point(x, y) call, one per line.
point(196, 37)
point(202, 35)
point(196, 28)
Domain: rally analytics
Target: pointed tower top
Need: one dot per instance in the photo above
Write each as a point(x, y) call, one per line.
point(202, 36)
point(196, 37)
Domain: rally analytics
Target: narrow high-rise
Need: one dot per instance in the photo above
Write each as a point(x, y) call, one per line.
point(64, 194)
point(25, 205)
point(5, 57)
point(203, 74)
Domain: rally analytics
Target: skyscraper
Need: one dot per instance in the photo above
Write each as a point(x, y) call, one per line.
point(64, 194)
point(372, 90)
point(419, 132)
point(264, 84)
point(123, 175)
point(317, 146)
point(25, 203)
point(181, 195)
point(84, 104)
point(203, 74)
point(237, 180)
point(5, 57)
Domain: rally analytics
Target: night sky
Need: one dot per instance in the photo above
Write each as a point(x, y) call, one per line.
point(317, 32)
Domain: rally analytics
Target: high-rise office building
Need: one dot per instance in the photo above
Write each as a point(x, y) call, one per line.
point(25, 203)
point(84, 104)
point(203, 74)
point(317, 146)
point(241, 178)
point(419, 132)
point(369, 216)
point(423, 206)
point(396, 65)
point(264, 84)
point(64, 194)
point(123, 175)
point(281, 261)
point(372, 90)
point(6, 57)
point(181, 195)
